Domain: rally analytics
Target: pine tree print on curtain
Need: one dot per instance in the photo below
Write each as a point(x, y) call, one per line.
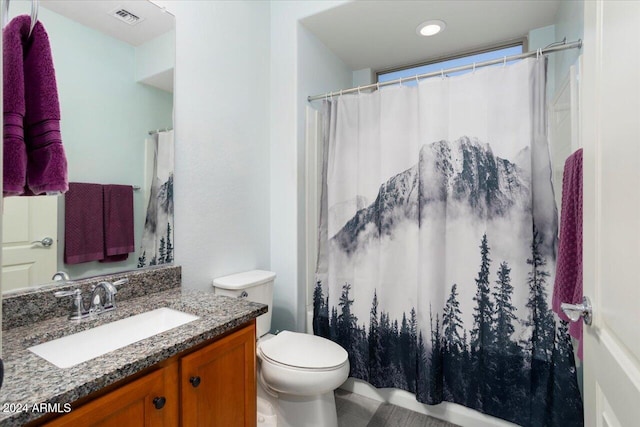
point(438, 253)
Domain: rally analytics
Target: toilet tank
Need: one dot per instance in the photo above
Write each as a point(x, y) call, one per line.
point(255, 285)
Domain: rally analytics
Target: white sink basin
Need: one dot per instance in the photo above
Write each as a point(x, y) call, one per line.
point(77, 348)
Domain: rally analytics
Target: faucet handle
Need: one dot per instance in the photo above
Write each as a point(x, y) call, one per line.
point(77, 306)
point(121, 282)
point(62, 294)
point(60, 275)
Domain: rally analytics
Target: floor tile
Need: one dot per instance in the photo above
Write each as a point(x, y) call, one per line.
point(355, 410)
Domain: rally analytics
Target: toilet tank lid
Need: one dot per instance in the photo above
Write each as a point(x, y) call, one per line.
point(244, 280)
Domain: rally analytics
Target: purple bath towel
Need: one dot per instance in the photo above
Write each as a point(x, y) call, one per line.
point(118, 222)
point(568, 283)
point(83, 223)
point(34, 158)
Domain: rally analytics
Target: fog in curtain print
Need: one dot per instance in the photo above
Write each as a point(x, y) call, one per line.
point(439, 280)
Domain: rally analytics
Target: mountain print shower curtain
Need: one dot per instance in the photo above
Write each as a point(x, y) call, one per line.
point(157, 237)
point(437, 245)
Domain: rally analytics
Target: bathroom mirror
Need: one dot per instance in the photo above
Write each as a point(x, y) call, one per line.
point(114, 65)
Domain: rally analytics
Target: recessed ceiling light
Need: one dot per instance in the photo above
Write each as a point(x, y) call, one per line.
point(431, 27)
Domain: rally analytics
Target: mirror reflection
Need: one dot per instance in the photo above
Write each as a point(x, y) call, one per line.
point(114, 65)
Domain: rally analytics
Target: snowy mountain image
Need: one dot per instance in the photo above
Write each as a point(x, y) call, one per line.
point(463, 172)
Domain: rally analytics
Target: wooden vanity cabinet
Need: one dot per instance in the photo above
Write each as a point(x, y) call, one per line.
point(148, 401)
point(218, 383)
point(214, 385)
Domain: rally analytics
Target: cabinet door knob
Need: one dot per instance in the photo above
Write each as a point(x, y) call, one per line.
point(159, 402)
point(195, 381)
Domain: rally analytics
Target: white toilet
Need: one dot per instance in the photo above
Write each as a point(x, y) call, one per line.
point(297, 373)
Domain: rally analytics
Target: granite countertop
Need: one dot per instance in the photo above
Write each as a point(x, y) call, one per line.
point(31, 380)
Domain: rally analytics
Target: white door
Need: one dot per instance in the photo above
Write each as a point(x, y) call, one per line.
point(27, 221)
point(610, 106)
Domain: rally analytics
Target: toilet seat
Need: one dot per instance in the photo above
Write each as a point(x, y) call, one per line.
point(266, 359)
point(300, 351)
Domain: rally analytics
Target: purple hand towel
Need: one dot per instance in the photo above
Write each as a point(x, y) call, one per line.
point(568, 283)
point(13, 103)
point(83, 223)
point(118, 222)
point(34, 162)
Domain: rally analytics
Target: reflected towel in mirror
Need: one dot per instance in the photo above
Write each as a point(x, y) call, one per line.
point(83, 223)
point(34, 158)
point(118, 222)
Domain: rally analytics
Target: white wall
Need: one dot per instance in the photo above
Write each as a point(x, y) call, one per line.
point(300, 66)
point(156, 56)
point(363, 77)
point(570, 24)
point(222, 123)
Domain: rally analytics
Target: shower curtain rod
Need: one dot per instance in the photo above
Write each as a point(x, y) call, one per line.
point(554, 47)
point(153, 132)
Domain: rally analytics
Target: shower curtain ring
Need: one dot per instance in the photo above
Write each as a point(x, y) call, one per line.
point(358, 90)
point(504, 63)
point(400, 81)
point(378, 85)
point(417, 80)
point(442, 73)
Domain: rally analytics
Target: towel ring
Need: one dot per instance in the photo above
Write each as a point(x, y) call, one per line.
point(35, 5)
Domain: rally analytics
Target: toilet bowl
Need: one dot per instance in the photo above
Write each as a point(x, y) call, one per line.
point(297, 373)
point(302, 364)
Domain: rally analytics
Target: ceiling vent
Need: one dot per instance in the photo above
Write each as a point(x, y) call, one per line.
point(126, 16)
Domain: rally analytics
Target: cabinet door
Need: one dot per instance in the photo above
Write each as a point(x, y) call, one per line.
point(218, 383)
point(131, 405)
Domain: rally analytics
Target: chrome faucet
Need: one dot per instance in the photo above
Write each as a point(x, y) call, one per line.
point(102, 299)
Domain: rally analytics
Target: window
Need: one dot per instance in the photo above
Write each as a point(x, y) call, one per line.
point(445, 64)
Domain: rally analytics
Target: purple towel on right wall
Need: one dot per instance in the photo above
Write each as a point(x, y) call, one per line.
point(83, 223)
point(568, 283)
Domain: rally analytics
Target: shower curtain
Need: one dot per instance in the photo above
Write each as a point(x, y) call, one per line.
point(437, 244)
point(157, 238)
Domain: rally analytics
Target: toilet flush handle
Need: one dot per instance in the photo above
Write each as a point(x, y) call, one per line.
point(244, 294)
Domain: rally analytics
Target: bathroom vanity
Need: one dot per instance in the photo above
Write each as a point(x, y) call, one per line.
point(198, 374)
